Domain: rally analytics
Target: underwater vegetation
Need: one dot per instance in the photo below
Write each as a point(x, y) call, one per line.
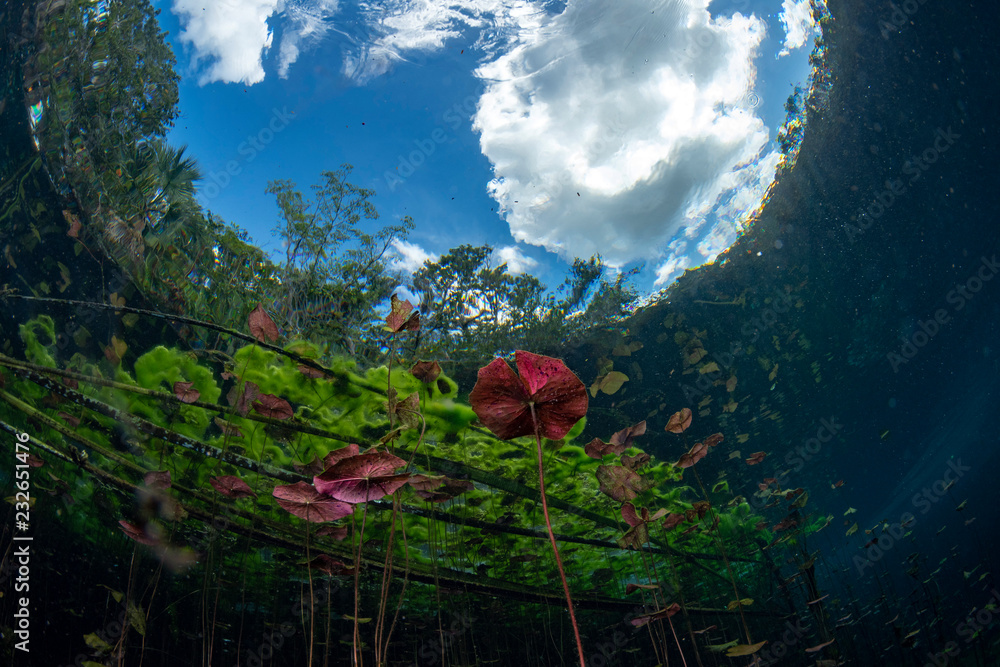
point(391, 494)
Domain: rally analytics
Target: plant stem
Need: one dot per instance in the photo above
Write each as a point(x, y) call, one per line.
point(552, 538)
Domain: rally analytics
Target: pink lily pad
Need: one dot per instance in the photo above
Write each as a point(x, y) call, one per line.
point(231, 486)
point(302, 500)
point(185, 392)
point(272, 406)
point(503, 400)
point(358, 479)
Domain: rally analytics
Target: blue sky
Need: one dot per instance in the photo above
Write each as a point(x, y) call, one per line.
point(640, 130)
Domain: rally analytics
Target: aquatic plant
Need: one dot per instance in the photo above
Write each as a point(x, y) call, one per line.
point(544, 398)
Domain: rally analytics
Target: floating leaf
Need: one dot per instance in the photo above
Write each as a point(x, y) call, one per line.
point(731, 384)
point(672, 521)
point(136, 618)
point(710, 367)
point(96, 643)
point(744, 649)
point(619, 483)
point(635, 537)
point(632, 588)
point(426, 371)
point(231, 486)
point(679, 421)
point(503, 400)
point(819, 647)
point(609, 383)
point(756, 458)
point(853, 529)
point(402, 316)
point(302, 500)
point(361, 478)
point(185, 392)
point(272, 406)
point(261, 325)
point(745, 602)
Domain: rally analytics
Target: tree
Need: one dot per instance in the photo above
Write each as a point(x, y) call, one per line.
point(473, 309)
point(335, 272)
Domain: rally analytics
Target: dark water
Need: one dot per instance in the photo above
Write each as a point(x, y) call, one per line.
point(859, 319)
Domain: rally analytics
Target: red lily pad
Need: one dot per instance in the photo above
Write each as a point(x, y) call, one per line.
point(635, 537)
point(679, 421)
point(713, 439)
point(503, 400)
point(136, 533)
point(242, 400)
point(426, 371)
point(361, 478)
point(185, 392)
point(272, 406)
point(673, 520)
point(261, 325)
point(635, 462)
point(756, 458)
point(302, 500)
point(231, 486)
point(619, 483)
point(695, 454)
point(157, 479)
point(402, 317)
point(624, 437)
point(339, 455)
point(597, 449)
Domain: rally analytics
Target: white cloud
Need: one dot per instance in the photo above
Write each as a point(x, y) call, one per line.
point(516, 261)
point(231, 35)
point(613, 129)
point(796, 16)
point(408, 257)
point(401, 27)
point(308, 22)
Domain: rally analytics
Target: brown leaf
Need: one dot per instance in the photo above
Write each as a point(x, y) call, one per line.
point(261, 325)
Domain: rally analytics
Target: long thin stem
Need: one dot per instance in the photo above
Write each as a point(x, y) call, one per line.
point(552, 537)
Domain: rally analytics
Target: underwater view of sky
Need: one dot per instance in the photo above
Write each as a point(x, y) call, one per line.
point(640, 131)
